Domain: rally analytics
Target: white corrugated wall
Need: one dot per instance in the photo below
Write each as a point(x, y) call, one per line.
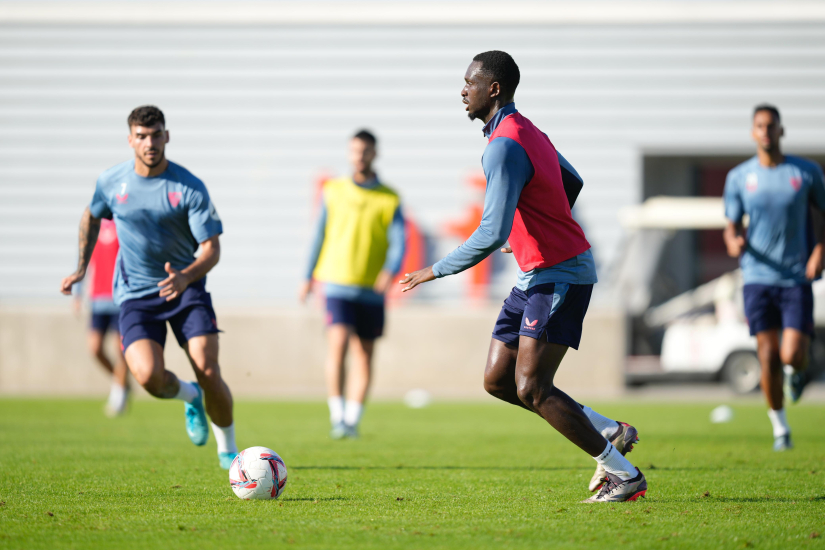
point(259, 112)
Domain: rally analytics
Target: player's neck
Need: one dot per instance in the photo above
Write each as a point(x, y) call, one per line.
point(363, 177)
point(770, 159)
point(145, 171)
point(495, 108)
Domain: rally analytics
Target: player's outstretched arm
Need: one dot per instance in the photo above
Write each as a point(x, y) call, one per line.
point(87, 238)
point(178, 279)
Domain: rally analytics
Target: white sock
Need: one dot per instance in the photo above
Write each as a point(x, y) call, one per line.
point(605, 426)
point(225, 438)
point(352, 413)
point(336, 409)
point(613, 462)
point(187, 392)
point(780, 423)
point(117, 397)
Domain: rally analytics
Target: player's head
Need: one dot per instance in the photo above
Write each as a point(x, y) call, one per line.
point(490, 80)
point(767, 127)
point(148, 135)
point(362, 151)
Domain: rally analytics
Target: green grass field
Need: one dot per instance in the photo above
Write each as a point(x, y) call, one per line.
point(464, 476)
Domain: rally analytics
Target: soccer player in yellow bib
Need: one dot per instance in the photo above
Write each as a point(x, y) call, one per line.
point(357, 251)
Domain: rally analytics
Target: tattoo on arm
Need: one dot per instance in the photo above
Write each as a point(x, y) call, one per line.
point(87, 238)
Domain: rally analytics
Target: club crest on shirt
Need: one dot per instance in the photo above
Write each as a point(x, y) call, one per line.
point(174, 198)
point(123, 195)
point(751, 182)
point(796, 183)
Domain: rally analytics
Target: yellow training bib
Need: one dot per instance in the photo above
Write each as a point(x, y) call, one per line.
point(355, 240)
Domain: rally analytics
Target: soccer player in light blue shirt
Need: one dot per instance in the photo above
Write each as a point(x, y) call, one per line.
point(779, 256)
point(162, 214)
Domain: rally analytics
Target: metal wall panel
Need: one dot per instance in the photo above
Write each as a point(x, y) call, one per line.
point(259, 112)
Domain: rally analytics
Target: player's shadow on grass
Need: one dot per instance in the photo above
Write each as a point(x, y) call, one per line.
point(402, 467)
point(310, 499)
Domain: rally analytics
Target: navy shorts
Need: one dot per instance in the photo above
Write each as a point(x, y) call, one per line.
point(553, 312)
point(770, 307)
point(189, 315)
point(104, 322)
point(366, 319)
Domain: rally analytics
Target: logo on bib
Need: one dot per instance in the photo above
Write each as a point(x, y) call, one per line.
point(796, 183)
point(174, 198)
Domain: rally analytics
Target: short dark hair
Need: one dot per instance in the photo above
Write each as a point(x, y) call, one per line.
point(366, 136)
point(767, 107)
point(502, 68)
point(146, 115)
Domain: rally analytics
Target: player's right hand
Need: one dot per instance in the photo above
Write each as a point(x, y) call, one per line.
point(67, 282)
point(506, 250)
point(304, 291)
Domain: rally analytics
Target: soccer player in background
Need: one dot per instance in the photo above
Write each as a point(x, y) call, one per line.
point(162, 213)
point(779, 256)
point(530, 190)
point(357, 251)
point(105, 315)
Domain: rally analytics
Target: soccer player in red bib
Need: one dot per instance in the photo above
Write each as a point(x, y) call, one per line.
point(105, 314)
point(530, 190)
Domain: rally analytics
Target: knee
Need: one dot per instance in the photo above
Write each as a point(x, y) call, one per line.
point(530, 392)
point(152, 381)
point(207, 370)
point(494, 387)
point(96, 347)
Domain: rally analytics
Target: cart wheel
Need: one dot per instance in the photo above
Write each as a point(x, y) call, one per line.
point(742, 372)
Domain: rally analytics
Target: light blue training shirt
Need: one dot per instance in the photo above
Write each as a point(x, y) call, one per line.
point(158, 220)
point(508, 170)
point(779, 235)
point(396, 235)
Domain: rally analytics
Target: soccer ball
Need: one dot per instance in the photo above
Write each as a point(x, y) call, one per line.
point(257, 473)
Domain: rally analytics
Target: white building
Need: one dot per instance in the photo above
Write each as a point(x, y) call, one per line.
point(261, 98)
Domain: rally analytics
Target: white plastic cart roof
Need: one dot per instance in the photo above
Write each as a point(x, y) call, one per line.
point(675, 213)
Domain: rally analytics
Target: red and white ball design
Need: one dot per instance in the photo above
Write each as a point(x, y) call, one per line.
point(258, 473)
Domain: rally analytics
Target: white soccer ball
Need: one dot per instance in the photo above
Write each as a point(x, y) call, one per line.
point(721, 414)
point(257, 473)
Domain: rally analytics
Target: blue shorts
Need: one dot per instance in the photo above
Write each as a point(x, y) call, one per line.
point(366, 319)
point(189, 315)
point(104, 322)
point(770, 307)
point(553, 312)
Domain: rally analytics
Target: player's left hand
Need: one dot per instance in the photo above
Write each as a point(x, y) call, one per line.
point(383, 282)
point(174, 285)
point(814, 267)
point(415, 278)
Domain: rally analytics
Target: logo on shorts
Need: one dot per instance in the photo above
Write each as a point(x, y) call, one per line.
point(796, 183)
point(174, 198)
point(123, 195)
point(751, 182)
point(528, 325)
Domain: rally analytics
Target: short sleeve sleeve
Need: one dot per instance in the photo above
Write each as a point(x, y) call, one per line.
point(204, 221)
point(818, 187)
point(734, 210)
point(99, 207)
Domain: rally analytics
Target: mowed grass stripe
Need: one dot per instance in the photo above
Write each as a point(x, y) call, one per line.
point(463, 476)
